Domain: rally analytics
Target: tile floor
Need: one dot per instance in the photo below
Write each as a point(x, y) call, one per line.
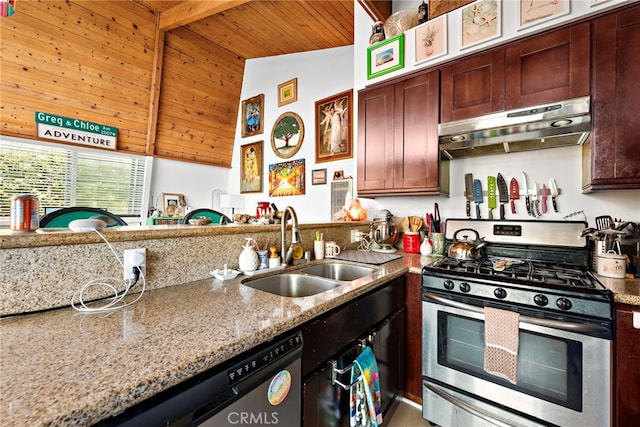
point(407, 414)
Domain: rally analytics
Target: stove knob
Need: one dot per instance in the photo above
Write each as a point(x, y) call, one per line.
point(563, 304)
point(448, 284)
point(540, 300)
point(500, 293)
point(464, 287)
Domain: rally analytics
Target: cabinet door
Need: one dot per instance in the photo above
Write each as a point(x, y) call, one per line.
point(375, 139)
point(548, 68)
point(413, 307)
point(473, 87)
point(627, 367)
point(416, 152)
point(615, 149)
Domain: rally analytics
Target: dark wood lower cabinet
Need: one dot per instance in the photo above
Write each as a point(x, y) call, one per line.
point(627, 368)
point(413, 364)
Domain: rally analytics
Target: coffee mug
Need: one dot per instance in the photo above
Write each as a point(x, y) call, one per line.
point(331, 249)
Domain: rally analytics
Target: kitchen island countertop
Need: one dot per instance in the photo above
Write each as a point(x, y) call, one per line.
point(62, 367)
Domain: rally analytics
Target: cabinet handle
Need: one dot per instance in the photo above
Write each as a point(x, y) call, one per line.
point(335, 371)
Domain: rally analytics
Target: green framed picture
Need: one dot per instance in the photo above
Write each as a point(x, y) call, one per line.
point(386, 56)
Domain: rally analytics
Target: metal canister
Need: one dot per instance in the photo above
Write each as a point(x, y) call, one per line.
point(25, 215)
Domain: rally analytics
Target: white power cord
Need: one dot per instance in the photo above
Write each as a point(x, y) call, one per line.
point(117, 300)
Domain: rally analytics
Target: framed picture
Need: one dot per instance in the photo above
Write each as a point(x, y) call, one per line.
point(386, 56)
point(286, 178)
point(431, 39)
point(287, 135)
point(251, 168)
point(597, 2)
point(253, 116)
point(318, 177)
point(481, 21)
point(534, 12)
point(173, 204)
point(334, 134)
point(288, 92)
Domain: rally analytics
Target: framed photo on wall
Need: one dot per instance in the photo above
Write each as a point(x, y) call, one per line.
point(386, 56)
point(287, 135)
point(173, 204)
point(287, 178)
point(431, 39)
point(288, 92)
point(318, 176)
point(253, 116)
point(251, 167)
point(481, 22)
point(534, 12)
point(334, 130)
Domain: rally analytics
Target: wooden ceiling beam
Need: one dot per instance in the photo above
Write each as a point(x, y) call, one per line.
point(194, 10)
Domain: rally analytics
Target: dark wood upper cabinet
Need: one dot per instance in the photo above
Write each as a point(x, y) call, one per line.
point(473, 86)
point(612, 159)
point(543, 69)
point(547, 68)
point(398, 151)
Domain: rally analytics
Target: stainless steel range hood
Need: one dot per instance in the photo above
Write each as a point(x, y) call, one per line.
point(545, 126)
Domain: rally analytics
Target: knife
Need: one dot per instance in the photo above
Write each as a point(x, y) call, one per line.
point(535, 208)
point(514, 194)
point(491, 191)
point(477, 195)
point(504, 195)
point(527, 200)
point(544, 198)
point(468, 191)
point(553, 189)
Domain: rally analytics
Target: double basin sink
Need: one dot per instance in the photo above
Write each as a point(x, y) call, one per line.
point(310, 280)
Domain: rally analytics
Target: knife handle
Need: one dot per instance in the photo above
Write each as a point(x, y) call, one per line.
point(528, 203)
point(513, 206)
point(502, 210)
point(469, 209)
point(478, 211)
point(544, 204)
point(555, 205)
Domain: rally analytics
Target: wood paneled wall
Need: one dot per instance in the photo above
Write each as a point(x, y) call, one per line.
point(94, 60)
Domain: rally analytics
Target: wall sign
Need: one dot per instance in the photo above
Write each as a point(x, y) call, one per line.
point(76, 131)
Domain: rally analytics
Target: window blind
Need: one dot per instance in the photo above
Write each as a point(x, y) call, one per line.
point(68, 176)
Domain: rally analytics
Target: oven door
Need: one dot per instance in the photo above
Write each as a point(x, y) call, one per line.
point(564, 375)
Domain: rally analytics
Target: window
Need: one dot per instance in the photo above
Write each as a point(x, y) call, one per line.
point(71, 176)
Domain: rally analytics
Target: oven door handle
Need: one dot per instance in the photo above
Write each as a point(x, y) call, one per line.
point(556, 324)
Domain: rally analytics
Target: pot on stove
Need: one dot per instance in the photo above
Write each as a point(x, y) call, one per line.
point(465, 248)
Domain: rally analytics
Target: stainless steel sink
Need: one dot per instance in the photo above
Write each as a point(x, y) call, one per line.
point(337, 271)
point(292, 285)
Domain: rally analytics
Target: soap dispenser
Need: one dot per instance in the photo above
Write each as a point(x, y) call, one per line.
point(248, 260)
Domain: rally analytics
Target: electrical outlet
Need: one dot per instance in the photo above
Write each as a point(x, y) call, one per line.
point(134, 258)
point(356, 236)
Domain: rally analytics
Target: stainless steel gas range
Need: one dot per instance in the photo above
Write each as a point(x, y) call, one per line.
point(563, 328)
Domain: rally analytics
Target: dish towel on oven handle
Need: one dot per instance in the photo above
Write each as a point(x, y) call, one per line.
point(501, 341)
point(365, 407)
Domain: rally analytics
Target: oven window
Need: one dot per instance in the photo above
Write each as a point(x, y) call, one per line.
point(549, 368)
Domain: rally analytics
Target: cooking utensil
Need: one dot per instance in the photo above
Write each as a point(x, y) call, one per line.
point(465, 248)
point(544, 198)
point(535, 208)
point(491, 192)
point(415, 223)
point(504, 193)
point(553, 189)
point(468, 191)
point(477, 196)
point(604, 222)
point(526, 193)
point(436, 219)
point(514, 194)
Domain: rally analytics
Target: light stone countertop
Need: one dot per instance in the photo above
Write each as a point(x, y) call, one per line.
point(62, 367)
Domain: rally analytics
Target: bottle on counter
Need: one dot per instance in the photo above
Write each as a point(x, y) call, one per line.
point(274, 258)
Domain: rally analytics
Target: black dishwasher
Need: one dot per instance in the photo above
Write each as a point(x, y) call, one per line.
point(333, 341)
point(260, 388)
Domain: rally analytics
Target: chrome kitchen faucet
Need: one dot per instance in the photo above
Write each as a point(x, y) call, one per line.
point(295, 233)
